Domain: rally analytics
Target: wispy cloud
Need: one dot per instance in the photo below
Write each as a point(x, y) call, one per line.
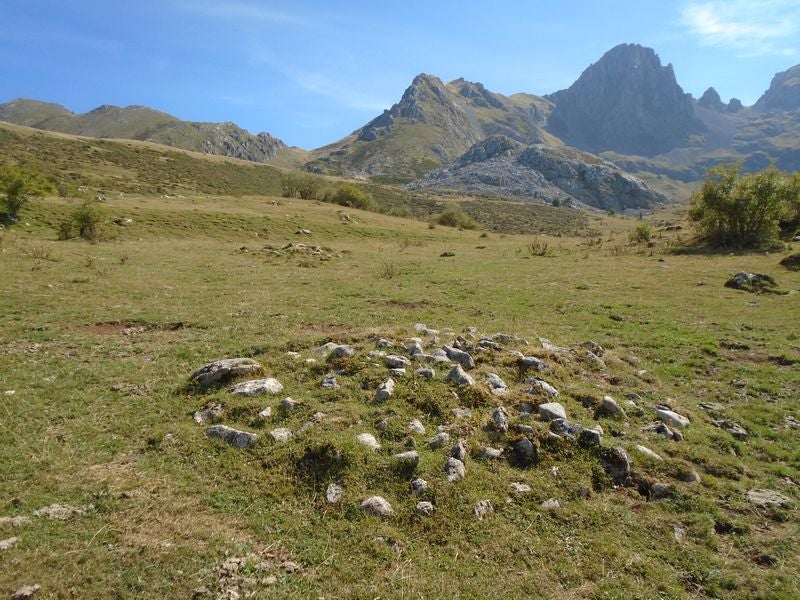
point(750, 28)
point(243, 12)
point(344, 94)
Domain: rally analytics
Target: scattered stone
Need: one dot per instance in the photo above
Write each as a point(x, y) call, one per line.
point(424, 508)
point(672, 418)
point(497, 386)
point(767, 498)
point(595, 361)
point(334, 493)
point(491, 453)
point(368, 440)
point(459, 376)
point(525, 451)
point(397, 362)
point(26, 592)
point(525, 408)
point(550, 504)
point(415, 347)
point(520, 488)
point(399, 372)
point(524, 429)
point(616, 463)
point(540, 387)
point(384, 391)
point(552, 410)
point(594, 348)
point(532, 361)
point(660, 429)
point(62, 512)
point(288, 405)
point(462, 413)
point(790, 422)
point(454, 470)
point(487, 344)
point(792, 262)
point(293, 355)
point(415, 426)
point(647, 452)
point(326, 349)
point(590, 437)
point(265, 414)
point(711, 406)
point(377, 506)
point(343, 351)
point(426, 373)
point(678, 533)
point(15, 522)
point(459, 451)
point(439, 440)
point(736, 430)
point(440, 356)
point(418, 486)
point(610, 407)
point(500, 419)
point(257, 387)
point(377, 354)
point(565, 427)
point(659, 491)
point(281, 435)
point(316, 418)
point(459, 356)
point(208, 413)
point(383, 343)
point(9, 543)
point(752, 282)
point(329, 382)
point(407, 459)
point(689, 476)
point(548, 346)
point(482, 508)
point(220, 371)
point(505, 338)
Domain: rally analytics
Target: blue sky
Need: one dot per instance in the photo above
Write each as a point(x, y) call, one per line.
point(311, 72)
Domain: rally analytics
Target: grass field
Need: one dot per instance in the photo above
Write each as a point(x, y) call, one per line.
point(98, 341)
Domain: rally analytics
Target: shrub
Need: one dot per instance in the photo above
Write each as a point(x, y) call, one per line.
point(20, 186)
point(455, 216)
point(84, 222)
point(354, 197)
point(300, 185)
point(642, 233)
point(743, 211)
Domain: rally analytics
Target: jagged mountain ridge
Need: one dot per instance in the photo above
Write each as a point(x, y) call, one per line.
point(431, 125)
point(500, 166)
point(145, 124)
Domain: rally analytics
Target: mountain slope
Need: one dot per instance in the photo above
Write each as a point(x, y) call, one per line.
point(432, 124)
point(145, 124)
point(499, 166)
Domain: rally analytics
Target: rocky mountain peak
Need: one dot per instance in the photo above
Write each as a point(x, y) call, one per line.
point(711, 100)
point(783, 92)
point(627, 102)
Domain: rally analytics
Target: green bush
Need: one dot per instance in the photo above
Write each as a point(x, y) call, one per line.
point(455, 216)
point(743, 211)
point(85, 222)
point(354, 197)
point(20, 186)
point(300, 185)
point(642, 233)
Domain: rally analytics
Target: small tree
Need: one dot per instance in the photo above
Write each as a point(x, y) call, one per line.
point(354, 197)
point(20, 186)
point(743, 211)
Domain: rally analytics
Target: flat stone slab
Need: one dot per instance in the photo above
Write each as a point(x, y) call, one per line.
point(233, 437)
point(222, 370)
point(672, 418)
point(257, 387)
point(552, 410)
point(767, 498)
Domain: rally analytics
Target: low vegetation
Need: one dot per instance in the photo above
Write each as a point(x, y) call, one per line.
point(745, 210)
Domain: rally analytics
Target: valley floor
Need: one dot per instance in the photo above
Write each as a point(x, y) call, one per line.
point(98, 342)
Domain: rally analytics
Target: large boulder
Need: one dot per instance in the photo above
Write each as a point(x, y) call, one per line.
point(221, 371)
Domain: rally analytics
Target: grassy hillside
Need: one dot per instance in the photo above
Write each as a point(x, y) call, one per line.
point(98, 342)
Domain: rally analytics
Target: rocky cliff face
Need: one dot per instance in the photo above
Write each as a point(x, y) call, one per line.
point(783, 92)
point(499, 166)
point(626, 102)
